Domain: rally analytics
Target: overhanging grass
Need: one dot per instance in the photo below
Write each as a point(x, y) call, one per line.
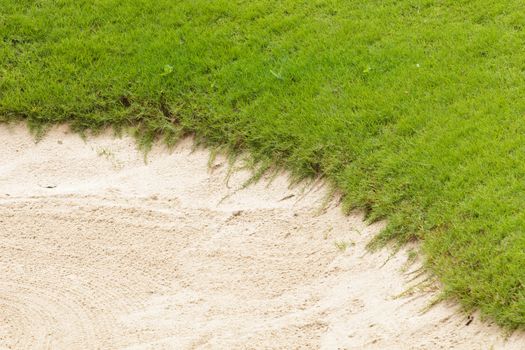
point(413, 108)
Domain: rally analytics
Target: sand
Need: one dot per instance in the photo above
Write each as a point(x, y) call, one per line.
point(100, 250)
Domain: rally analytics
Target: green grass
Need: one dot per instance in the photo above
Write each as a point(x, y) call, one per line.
point(414, 109)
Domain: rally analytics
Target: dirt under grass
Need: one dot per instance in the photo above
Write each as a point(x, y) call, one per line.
point(413, 109)
point(99, 250)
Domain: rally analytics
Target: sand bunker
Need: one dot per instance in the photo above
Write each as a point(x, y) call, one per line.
point(99, 250)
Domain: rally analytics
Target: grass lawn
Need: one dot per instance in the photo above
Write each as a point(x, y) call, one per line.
point(414, 109)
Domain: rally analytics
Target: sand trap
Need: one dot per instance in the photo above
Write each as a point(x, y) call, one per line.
point(99, 250)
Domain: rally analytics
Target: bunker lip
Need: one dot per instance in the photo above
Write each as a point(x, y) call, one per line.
point(100, 249)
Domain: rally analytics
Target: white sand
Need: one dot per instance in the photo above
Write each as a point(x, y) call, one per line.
point(99, 250)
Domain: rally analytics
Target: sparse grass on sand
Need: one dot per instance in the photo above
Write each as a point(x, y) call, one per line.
point(413, 109)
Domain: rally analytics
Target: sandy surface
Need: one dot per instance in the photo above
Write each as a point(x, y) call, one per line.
point(99, 250)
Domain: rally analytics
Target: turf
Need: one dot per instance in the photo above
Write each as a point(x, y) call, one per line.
point(414, 109)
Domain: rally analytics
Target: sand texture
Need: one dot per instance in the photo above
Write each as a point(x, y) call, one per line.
point(100, 250)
